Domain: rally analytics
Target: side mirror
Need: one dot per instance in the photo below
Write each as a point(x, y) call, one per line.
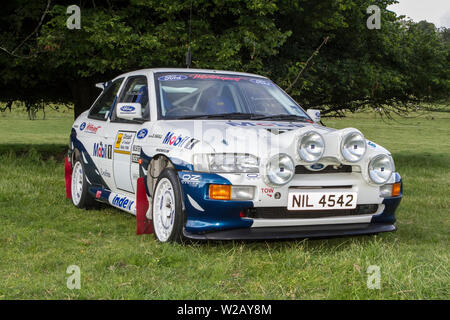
point(129, 111)
point(100, 85)
point(314, 114)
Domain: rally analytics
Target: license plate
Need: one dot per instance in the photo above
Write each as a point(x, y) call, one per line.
point(321, 200)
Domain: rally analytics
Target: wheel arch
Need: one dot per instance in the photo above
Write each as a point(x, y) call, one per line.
point(156, 165)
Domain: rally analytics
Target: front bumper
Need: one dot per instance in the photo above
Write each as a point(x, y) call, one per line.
point(226, 220)
point(297, 232)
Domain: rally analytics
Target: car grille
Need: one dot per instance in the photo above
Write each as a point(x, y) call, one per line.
point(300, 169)
point(283, 213)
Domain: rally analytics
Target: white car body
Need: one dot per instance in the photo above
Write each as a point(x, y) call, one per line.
point(119, 152)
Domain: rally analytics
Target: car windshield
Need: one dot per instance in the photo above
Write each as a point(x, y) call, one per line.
point(210, 95)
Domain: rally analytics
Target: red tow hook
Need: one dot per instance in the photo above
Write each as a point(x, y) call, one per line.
point(68, 177)
point(143, 225)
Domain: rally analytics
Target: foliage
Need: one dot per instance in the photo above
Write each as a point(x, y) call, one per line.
point(402, 64)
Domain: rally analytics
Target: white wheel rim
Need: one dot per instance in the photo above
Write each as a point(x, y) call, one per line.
point(77, 183)
point(164, 210)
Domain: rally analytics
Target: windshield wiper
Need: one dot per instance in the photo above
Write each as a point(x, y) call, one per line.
point(281, 117)
point(232, 115)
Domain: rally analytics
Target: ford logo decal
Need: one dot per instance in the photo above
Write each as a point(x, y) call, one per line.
point(127, 108)
point(316, 166)
point(172, 77)
point(142, 133)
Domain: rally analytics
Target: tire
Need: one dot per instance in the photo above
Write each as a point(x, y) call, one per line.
point(167, 210)
point(79, 187)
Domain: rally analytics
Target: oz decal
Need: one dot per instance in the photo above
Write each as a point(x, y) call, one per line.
point(191, 179)
point(179, 141)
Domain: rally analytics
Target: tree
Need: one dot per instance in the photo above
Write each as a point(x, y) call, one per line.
point(401, 64)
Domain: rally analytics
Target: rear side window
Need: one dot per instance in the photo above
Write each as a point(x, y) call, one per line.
point(104, 103)
point(136, 91)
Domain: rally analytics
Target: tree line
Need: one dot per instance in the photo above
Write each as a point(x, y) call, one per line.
point(321, 52)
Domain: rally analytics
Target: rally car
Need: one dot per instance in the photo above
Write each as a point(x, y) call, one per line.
point(207, 154)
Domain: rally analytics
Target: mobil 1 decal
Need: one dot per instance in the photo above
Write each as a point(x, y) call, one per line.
point(179, 140)
point(124, 142)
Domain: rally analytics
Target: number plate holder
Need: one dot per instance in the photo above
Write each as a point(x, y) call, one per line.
point(321, 199)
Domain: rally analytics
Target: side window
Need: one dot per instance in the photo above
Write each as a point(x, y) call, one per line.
point(105, 102)
point(136, 90)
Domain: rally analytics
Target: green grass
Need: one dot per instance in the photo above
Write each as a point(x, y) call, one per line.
point(42, 233)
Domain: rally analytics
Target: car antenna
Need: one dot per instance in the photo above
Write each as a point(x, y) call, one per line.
point(188, 53)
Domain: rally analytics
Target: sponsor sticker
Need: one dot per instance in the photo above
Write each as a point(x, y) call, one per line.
point(137, 149)
point(155, 136)
point(179, 141)
point(91, 128)
point(124, 142)
point(122, 202)
point(135, 158)
point(262, 81)
point(216, 77)
point(172, 77)
point(190, 179)
point(370, 143)
point(142, 133)
point(102, 150)
point(105, 173)
point(264, 124)
point(82, 126)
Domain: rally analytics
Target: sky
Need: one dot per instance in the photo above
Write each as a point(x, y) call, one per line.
point(436, 11)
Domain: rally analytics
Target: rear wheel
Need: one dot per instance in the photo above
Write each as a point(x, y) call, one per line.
point(168, 216)
point(79, 187)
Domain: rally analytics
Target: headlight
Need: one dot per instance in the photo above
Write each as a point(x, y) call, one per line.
point(381, 168)
point(311, 147)
point(353, 146)
point(226, 162)
point(280, 169)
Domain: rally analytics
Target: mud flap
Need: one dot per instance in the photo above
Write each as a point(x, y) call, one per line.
point(68, 177)
point(143, 225)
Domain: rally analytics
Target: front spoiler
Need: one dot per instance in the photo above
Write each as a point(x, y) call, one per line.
point(297, 232)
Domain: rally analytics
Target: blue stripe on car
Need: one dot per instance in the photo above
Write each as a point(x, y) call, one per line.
point(217, 214)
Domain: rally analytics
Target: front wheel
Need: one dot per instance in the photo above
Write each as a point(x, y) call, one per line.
point(79, 187)
point(168, 217)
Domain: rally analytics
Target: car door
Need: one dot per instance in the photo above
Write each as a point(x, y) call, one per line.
point(93, 132)
point(124, 134)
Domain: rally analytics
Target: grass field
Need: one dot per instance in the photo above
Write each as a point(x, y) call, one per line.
point(42, 233)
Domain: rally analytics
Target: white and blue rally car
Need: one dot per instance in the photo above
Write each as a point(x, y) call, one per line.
point(206, 154)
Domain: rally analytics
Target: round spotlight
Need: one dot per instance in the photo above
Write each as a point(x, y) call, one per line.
point(353, 147)
point(280, 169)
point(381, 168)
point(311, 147)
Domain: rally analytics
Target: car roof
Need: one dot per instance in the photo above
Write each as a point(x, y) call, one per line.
point(155, 70)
